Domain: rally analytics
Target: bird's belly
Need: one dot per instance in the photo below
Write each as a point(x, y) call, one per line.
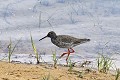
point(62, 44)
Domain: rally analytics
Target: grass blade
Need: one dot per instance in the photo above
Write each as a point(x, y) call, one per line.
point(34, 49)
point(104, 63)
point(117, 74)
point(55, 60)
point(10, 50)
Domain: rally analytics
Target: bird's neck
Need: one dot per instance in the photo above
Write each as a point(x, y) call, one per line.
point(54, 37)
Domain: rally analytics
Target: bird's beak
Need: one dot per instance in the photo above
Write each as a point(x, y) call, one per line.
point(42, 38)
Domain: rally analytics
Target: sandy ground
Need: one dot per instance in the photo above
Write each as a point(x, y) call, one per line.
point(14, 71)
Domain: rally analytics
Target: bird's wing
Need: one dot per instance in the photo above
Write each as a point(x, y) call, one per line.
point(67, 39)
point(72, 40)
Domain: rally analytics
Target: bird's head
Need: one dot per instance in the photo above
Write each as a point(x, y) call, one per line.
point(51, 35)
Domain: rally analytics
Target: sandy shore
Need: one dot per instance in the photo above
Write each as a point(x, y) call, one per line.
point(15, 71)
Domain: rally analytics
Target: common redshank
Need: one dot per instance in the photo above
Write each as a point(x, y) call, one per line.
point(65, 41)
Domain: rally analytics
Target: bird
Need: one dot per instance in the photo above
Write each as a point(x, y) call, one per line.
point(65, 41)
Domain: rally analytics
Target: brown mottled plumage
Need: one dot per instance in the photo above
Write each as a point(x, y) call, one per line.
point(65, 41)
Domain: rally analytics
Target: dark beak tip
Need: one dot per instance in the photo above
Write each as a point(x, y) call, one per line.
point(42, 38)
point(88, 39)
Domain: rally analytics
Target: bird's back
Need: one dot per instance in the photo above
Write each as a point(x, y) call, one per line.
point(66, 41)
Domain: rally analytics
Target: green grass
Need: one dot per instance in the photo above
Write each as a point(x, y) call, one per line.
point(55, 60)
point(104, 63)
point(11, 49)
point(34, 49)
point(70, 64)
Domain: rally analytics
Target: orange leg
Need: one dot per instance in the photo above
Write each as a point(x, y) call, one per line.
point(67, 53)
point(64, 54)
point(72, 50)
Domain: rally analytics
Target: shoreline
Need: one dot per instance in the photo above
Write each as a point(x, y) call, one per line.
point(18, 71)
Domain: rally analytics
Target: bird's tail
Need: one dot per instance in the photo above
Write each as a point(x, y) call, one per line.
point(84, 40)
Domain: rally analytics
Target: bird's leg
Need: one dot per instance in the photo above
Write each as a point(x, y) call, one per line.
point(64, 54)
point(72, 50)
point(69, 53)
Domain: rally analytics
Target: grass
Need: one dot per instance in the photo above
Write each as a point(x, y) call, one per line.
point(71, 18)
point(70, 64)
point(11, 50)
point(80, 75)
point(47, 77)
point(34, 49)
point(104, 63)
point(55, 60)
point(117, 74)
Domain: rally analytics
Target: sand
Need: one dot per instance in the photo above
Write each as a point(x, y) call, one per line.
point(15, 71)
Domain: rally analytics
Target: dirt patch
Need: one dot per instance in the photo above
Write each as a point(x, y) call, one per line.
point(13, 71)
